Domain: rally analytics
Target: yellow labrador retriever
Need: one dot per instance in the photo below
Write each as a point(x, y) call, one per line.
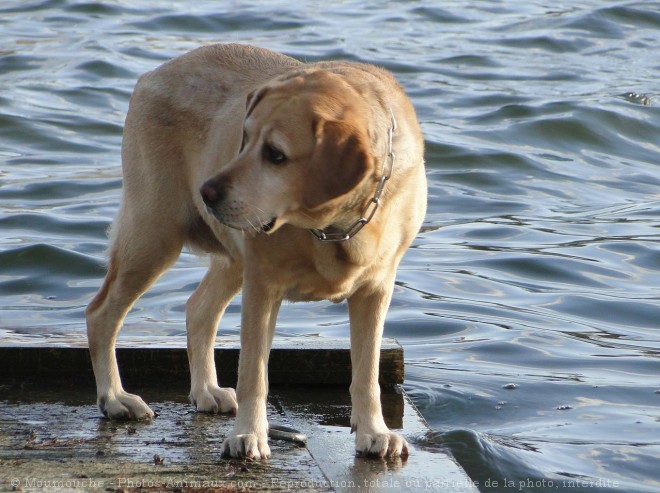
point(302, 182)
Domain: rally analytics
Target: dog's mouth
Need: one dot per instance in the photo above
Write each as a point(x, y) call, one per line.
point(265, 228)
point(269, 226)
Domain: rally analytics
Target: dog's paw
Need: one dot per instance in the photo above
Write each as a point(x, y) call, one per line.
point(248, 445)
point(380, 444)
point(122, 405)
point(214, 399)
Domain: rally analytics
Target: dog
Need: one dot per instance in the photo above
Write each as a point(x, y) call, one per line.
point(301, 181)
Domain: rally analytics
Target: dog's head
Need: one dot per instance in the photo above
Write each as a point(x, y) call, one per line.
point(305, 156)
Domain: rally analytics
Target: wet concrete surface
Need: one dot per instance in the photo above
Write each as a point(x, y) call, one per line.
point(57, 437)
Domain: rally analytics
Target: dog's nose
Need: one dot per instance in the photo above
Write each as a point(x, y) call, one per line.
point(212, 193)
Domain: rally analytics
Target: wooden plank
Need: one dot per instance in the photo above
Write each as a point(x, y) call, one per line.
point(293, 361)
point(53, 437)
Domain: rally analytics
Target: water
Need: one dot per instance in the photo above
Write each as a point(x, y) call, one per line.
point(528, 306)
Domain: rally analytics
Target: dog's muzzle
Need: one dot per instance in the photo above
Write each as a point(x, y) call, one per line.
point(214, 194)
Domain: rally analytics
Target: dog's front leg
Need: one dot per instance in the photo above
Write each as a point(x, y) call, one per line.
point(367, 309)
point(249, 438)
point(204, 309)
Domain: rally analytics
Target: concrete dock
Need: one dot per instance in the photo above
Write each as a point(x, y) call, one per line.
point(53, 438)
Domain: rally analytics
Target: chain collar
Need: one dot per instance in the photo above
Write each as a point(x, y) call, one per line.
point(371, 208)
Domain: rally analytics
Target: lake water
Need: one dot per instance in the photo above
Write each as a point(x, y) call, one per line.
point(529, 306)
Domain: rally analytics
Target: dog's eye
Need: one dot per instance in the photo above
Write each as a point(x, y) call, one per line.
point(273, 155)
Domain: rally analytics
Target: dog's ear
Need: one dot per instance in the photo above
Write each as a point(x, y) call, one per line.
point(253, 99)
point(340, 161)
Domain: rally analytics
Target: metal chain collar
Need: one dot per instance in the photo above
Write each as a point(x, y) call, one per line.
point(371, 208)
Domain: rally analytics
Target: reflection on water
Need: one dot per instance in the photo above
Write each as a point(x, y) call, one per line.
point(528, 306)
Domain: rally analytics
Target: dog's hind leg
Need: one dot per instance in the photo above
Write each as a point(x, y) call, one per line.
point(203, 312)
point(140, 252)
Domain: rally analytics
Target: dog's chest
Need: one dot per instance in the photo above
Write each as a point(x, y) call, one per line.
point(321, 282)
point(313, 288)
point(313, 277)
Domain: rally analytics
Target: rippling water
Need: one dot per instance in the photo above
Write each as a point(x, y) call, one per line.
point(529, 305)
